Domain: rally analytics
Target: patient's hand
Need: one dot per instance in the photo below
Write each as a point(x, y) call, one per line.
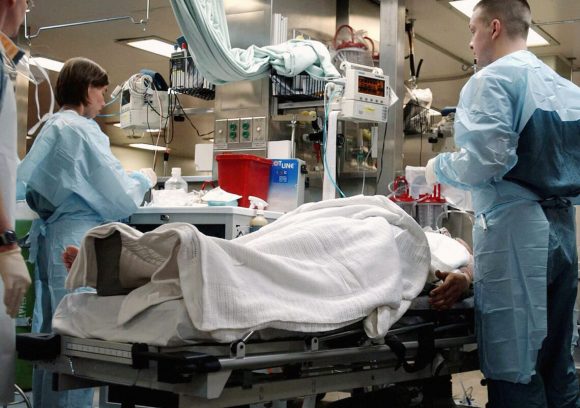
point(450, 291)
point(69, 255)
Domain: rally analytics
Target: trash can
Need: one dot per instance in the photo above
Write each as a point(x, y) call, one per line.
point(245, 175)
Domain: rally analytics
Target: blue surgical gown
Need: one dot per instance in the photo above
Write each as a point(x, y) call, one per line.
point(517, 129)
point(74, 183)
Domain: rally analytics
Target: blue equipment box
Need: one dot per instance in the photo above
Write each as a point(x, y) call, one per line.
point(287, 182)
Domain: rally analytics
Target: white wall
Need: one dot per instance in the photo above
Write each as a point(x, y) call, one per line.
point(365, 16)
point(576, 77)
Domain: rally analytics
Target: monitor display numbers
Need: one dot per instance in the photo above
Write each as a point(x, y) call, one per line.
point(371, 86)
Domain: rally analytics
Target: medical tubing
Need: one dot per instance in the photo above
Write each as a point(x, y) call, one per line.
point(364, 171)
point(170, 115)
point(116, 98)
point(160, 125)
point(22, 394)
point(439, 219)
point(382, 152)
point(36, 84)
point(327, 105)
point(36, 98)
point(160, 109)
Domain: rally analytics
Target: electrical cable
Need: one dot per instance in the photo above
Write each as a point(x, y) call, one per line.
point(150, 105)
point(190, 122)
point(167, 139)
point(383, 152)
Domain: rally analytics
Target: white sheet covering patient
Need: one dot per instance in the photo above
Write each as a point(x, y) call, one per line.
point(323, 266)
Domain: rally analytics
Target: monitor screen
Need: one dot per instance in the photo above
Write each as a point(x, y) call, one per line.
point(125, 97)
point(371, 86)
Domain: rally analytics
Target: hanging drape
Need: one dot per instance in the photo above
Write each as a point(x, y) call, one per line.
point(204, 26)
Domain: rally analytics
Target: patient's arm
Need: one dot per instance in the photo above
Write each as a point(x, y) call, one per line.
point(455, 285)
point(69, 255)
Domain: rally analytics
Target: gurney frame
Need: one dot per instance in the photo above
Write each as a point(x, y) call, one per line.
point(252, 372)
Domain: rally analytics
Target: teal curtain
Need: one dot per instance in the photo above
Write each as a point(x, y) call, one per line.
point(204, 26)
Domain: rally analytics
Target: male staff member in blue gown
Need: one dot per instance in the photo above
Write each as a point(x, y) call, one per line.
point(517, 129)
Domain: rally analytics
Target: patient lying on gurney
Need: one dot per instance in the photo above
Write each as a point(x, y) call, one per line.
point(321, 267)
point(454, 285)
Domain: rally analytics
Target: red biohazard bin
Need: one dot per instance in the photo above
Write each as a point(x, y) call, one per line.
point(245, 175)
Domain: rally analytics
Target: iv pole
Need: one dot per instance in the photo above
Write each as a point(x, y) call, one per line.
point(30, 36)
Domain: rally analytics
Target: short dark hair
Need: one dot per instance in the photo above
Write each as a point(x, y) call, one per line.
point(74, 79)
point(514, 14)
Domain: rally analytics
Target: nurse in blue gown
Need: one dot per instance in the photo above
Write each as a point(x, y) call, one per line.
point(74, 183)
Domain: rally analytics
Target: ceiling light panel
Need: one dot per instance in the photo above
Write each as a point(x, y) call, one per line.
point(153, 45)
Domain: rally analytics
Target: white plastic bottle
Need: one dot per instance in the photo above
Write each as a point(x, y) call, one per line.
point(258, 221)
point(176, 182)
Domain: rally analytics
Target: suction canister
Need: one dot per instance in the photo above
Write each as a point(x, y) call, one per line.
point(430, 206)
point(402, 197)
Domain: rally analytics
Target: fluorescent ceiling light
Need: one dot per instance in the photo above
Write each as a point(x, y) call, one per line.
point(147, 147)
point(466, 7)
point(535, 39)
point(48, 63)
point(154, 45)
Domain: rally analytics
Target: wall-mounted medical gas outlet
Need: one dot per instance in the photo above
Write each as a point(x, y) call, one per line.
point(233, 130)
point(245, 130)
point(241, 133)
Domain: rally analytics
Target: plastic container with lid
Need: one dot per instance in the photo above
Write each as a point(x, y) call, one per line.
point(430, 207)
point(176, 182)
point(245, 175)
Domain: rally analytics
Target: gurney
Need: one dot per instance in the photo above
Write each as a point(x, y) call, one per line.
point(280, 360)
point(424, 345)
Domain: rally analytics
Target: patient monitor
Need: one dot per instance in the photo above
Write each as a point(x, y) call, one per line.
point(366, 94)
point(142, 105)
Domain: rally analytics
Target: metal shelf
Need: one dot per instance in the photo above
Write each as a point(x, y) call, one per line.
point(305, 104)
